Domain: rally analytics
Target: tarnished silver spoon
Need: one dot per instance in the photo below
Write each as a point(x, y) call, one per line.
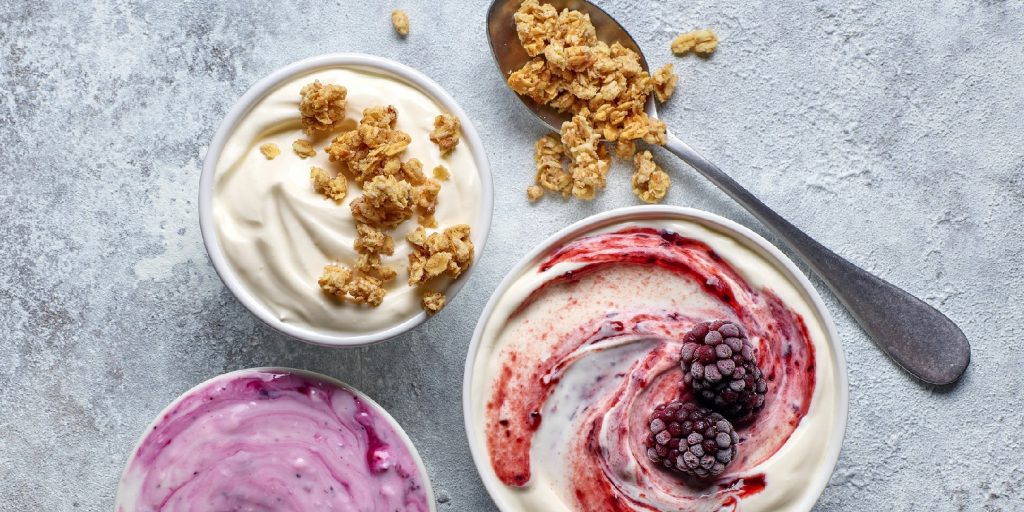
point(917, 336)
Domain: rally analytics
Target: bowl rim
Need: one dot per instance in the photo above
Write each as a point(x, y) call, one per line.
point(242, 107)
point(382, 412)
point(742, 235)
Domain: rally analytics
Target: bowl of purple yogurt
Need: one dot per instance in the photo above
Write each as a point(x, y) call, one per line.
point(274, 439)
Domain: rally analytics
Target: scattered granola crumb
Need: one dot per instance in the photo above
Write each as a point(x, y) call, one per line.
point(334, 188)
point(433, 302)
point(534, 192)
point(449, 252)
point(702, 42)
point(625, 149)
point(401, 22)
point(548, 156)
point(303, 148)
point(441, 173)
point(370, 240)
point(664, 82)
point(386, 202)
point(374, 148)
point(322, 106)
point(446, 132)
point(650, 182)
point(270, 150)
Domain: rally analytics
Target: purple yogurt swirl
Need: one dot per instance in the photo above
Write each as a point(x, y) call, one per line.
point(273, 440)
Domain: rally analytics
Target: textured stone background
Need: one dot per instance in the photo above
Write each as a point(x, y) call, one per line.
point(890, 132)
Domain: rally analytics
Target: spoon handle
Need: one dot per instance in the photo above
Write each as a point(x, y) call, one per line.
point(917, 336)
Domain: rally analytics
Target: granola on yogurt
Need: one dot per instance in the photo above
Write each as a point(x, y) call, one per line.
point(344, 284)
point(448, 252)
point(322, 106)
point(393, 190)
point(371, 240)
point(270, 150)
point(335, 187)
point(433, 302)
point(374, 148)
point(441, 173)
point(446, 132)
point(303, 148)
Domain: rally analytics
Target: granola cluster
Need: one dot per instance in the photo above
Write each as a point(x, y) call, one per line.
point(573, 71)
point(548, 156)
point(372, 243)
point(364, 283)
point(650, 182)
point(426, 190)
point(433, 302)
point(448, 252)
point(702, 42)
point(393, 191)
point(331, 187)
point(588, 158)
point(664, 81)
point(348, 285)
point(605, 88)
point(446, 132)
point(322, 106)
point(374, 148)
point(370, 240)
point(386, 202)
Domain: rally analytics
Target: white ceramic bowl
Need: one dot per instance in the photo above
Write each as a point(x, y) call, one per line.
point(470, 137)
point(815, 483)
point(382, 413)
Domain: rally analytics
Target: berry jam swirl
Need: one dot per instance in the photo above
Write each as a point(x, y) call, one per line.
point(593, 346)
point(272, 441)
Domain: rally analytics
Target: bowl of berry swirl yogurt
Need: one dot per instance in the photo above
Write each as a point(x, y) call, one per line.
point(655, 358)
point(274, 439)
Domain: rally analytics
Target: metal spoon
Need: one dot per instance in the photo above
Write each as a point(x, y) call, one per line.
point(917, 336)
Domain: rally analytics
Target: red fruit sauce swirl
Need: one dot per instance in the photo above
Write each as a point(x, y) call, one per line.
point(607, 460)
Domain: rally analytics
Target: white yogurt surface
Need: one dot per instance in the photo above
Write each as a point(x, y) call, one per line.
point(277, 233)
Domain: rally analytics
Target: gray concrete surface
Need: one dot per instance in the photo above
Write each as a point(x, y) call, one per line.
point(891, 131)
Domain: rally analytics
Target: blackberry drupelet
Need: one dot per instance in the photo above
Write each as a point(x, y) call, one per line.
point(691, 440)
point(718, 364)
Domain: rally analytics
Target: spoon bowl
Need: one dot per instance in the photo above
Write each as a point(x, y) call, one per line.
point(918, 337)
point(509, 55)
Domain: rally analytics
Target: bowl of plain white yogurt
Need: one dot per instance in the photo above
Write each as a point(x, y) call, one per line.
point(269, 234)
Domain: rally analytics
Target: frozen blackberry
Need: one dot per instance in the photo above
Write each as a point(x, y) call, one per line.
point(719, 366)
point(689, 439)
